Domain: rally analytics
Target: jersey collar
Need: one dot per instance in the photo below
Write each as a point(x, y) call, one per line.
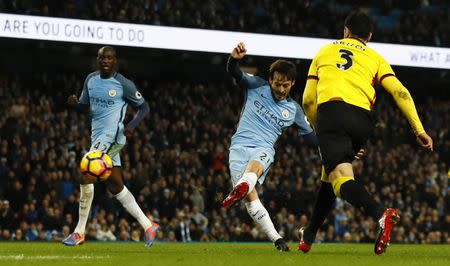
point(357, 39)
point(113, 75)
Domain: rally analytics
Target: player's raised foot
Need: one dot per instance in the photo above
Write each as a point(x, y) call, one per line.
point(73, 239)
point(150, 234)
point(386, 223)
point(237, 194)
point(281, 245)
point(304, 244)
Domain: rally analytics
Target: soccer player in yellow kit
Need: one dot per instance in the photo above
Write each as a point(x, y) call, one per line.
point(338, 99)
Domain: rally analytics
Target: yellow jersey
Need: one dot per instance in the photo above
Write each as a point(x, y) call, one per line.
point(347, 70)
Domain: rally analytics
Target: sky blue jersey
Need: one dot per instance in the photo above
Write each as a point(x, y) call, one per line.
point(108, 99)
point(263, 119)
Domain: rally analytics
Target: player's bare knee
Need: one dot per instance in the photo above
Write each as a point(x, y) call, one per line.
point(255, 167)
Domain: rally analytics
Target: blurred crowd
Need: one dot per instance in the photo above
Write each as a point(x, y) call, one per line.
point(425, 22)
point(176, 165)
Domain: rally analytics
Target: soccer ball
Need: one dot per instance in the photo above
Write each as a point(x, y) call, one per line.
point(96, 166)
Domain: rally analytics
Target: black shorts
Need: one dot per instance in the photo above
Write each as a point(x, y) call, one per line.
point(342, 129)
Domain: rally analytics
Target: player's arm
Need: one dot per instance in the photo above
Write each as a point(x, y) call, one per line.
point(244, 80)
point(406, 104)
point(135, 99)
point(142, 111)
point(304, 127)
point(310, 94)
point(82, 104)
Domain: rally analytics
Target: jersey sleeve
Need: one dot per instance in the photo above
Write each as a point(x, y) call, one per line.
point(253, 82)
point(301, 121)
point(84, 97)
point(404, 101)
point(131, 93)
point(245, 80)
point(312, 72)
point(384, 70)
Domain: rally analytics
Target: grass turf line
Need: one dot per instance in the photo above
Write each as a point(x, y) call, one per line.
point(217, 254)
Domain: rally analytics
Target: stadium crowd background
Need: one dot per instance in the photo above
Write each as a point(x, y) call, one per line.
point(176, 163)
point(424, 22)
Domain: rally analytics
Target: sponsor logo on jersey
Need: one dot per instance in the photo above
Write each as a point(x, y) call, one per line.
point(267, 114)
point(101, 102)
point(112, 92)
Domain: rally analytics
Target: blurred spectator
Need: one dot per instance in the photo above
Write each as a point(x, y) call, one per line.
point(105, 233)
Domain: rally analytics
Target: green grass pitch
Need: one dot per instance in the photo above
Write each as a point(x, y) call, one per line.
point(217, 254)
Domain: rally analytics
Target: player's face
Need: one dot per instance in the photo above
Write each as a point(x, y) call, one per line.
point(281, 86)
point(106, 61)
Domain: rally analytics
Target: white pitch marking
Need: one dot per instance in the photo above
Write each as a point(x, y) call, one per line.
point(49, 257)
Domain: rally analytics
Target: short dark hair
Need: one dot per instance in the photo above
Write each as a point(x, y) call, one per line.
point(283, 67)
point(108, 48)
point(359, 23)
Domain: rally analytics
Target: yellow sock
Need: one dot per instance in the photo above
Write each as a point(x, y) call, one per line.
point(337, 183)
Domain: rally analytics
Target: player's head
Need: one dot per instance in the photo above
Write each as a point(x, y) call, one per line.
point(107, 60)
point(358, 24)
point(282, 76)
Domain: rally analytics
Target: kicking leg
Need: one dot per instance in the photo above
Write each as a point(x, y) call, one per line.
point(245, 184)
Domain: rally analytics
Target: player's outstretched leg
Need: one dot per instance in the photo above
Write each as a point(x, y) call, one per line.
point(386, 223)
point(243, 187)
point(129, 203)
point(86, 197)
point(355, 193)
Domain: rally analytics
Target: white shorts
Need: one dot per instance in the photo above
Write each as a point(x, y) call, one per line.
point(110, 147)
point(240, 156)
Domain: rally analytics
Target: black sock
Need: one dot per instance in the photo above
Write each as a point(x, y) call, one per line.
point(322, 207)
point(357, 195)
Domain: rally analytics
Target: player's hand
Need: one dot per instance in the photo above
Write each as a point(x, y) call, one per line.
point(425, 141)
point(128, 132)
point(360, 154)
point(72, 100)
point(239, 51)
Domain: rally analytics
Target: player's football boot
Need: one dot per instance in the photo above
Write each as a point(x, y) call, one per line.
point(281, 245)
point(150, 234)
point(386, 223)
point(237, 194)
point(304, 245)
point(74, 239)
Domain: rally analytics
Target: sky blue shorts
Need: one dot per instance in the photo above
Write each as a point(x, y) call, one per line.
point(240, 156)
point(109, 146)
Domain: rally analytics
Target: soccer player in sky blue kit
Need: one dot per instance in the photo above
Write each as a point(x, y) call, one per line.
point(267, 111)
point(106, 94)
